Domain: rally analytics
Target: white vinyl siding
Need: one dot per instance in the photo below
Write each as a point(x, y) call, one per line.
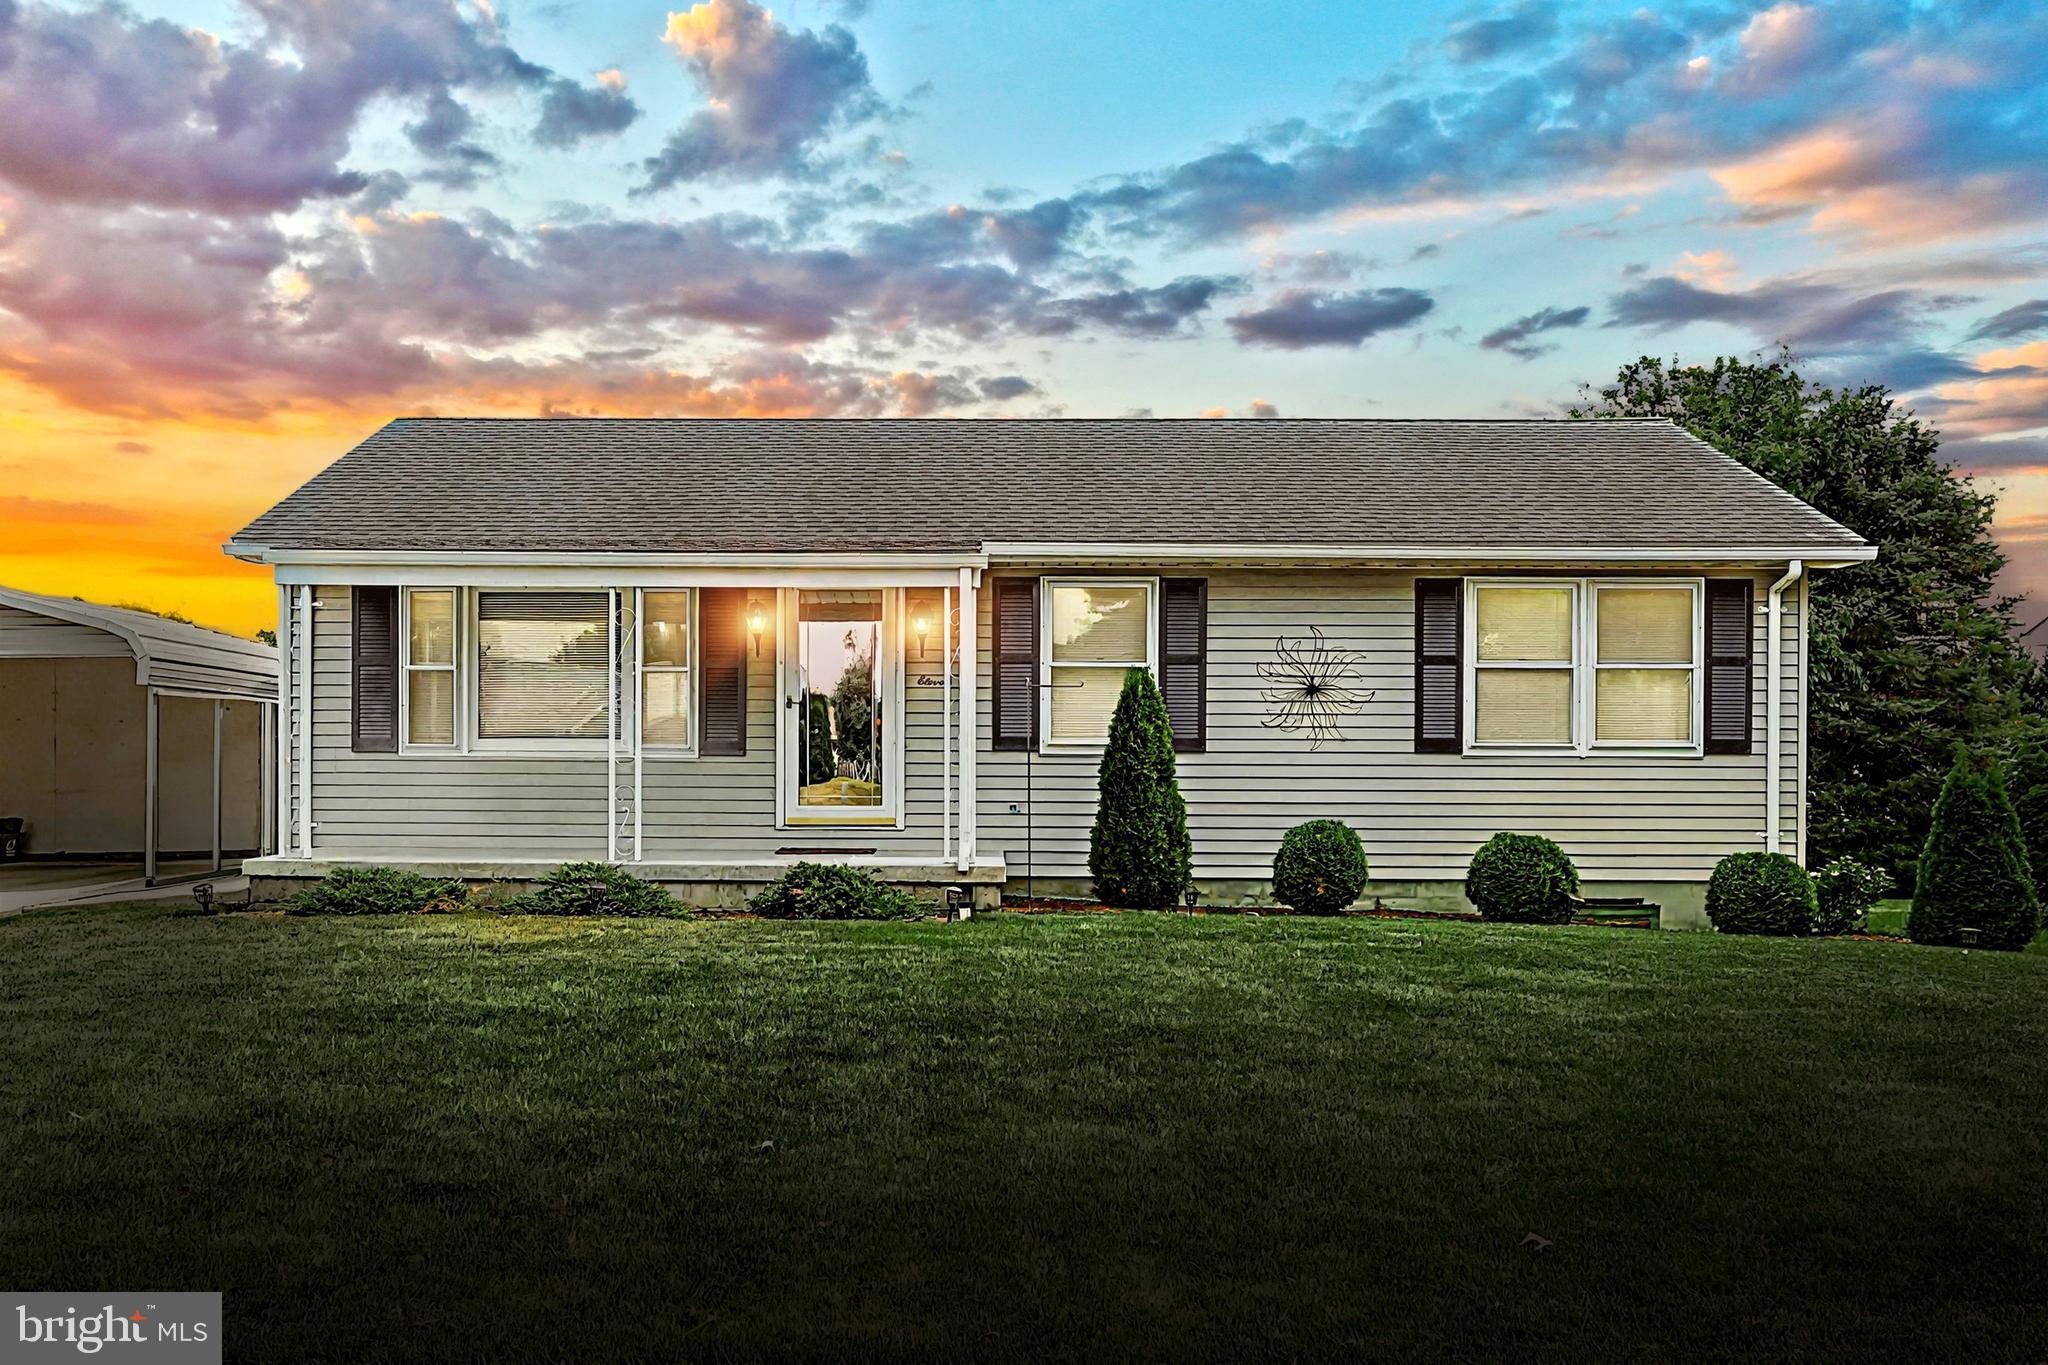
point(1624, 816)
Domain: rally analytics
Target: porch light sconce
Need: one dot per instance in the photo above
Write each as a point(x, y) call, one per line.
point(920, 626)
point(757, 622)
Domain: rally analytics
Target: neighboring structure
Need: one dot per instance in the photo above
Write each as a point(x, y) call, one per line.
point(707, 648)
point(124, 735)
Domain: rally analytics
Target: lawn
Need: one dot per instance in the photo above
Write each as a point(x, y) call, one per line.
point(1154, 1135)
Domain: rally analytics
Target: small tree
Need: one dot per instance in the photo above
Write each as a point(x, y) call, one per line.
point(1139, 852)
point(1973, 872)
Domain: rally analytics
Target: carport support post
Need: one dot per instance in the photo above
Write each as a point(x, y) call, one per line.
point(149, 814)
point(219, 711)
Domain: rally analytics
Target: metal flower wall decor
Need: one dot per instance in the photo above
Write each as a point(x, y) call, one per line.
point(1314, 687)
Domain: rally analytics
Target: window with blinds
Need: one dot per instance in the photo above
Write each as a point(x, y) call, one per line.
point(1096, 631)
point(1524, 657)
point(1584, 665)
point(665, 668)
point(1645, 664)
point(430, 667)
point(543, 665)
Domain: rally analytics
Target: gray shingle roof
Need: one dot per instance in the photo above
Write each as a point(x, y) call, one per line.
point(683, 486)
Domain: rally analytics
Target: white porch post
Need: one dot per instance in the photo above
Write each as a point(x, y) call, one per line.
point(305, 698)
point(281, 729)
point(219, 719)
point(970, 634)
point(149, 801)
point(266, 777)
point(946, 723)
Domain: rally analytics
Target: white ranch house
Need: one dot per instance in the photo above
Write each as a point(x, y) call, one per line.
point(707, 649)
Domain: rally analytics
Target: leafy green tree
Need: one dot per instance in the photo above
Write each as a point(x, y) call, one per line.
point(1911, 654)
point(1973, 874)
point(1139, 852)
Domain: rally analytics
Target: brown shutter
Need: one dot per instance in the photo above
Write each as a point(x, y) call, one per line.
point(1439, 665)
point(1184, 660)
point(722, 659)
point(373, 684)
point(1013, 663)
point(1730, 618)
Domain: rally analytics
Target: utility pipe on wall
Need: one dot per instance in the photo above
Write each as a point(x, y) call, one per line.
point(1774, 704)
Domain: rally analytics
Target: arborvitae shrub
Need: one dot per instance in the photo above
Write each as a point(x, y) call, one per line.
point(1522, 878)
point(594, 889)
point(1320, 868)
point(833, 891)
point(1973, 871)
point(1139, 852)
point(379, 891)
point(1761, 893)
point(1845, 890)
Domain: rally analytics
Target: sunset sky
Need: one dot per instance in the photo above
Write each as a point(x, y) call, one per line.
point(236, 238)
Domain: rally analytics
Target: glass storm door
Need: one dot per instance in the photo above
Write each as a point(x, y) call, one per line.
point(836, 724)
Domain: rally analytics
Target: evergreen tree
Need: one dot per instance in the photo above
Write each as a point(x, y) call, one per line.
point(1973, 873)
point(2029, 786)
point(1139, 852)
point(1911, 654)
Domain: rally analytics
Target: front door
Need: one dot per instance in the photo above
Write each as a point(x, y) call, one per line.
point(838, 728)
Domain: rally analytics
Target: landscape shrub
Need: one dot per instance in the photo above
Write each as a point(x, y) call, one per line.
point(1139, 853)
point(1522, 878)
point(834, 891)
point(1320, 868)
point(1973, 872)
point(594, 889)
point(1761, 893)
point(379, 891)
point(1844, 891)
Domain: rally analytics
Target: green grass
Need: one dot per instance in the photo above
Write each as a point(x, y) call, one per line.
point(1026, 1136)
point(1889, 917)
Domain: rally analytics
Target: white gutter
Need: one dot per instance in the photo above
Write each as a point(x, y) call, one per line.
point(1821, 557)
point(1774, 704)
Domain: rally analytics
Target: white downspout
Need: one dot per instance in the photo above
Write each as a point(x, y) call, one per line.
point(1774, 704)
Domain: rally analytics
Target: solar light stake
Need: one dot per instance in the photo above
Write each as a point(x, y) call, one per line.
point(203, 894)
point(1192, 896)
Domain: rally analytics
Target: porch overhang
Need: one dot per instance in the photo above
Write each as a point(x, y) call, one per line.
point(489, 568)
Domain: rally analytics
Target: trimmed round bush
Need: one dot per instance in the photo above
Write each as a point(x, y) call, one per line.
point(1320, 868)
point(379, 891)
point(1522, 879)
point(1761, 893)
point(833, 891)
point(1844, 891)
point(595, 889)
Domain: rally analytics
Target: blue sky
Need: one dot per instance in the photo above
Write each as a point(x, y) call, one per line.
point(234, 237)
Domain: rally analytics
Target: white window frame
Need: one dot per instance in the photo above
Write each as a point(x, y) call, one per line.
point(459, 728)
point(473, 656)
point(1046, 743)
point(1585, 669)
point(641, 668)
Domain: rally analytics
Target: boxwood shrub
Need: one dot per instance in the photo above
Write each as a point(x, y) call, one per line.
point(595, 889)
point(379, 891)
point(1761, 893)
point(1522, 878)
point(833, 891)
point(1320, 868)
point(1844, 891)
